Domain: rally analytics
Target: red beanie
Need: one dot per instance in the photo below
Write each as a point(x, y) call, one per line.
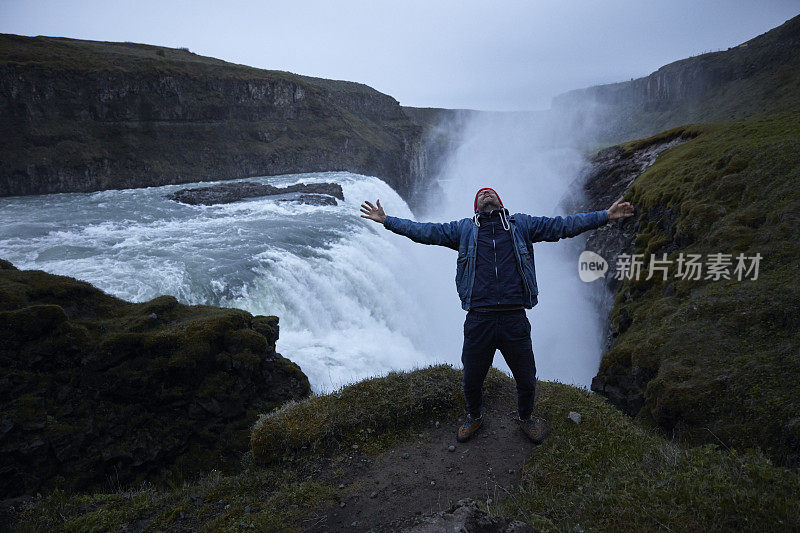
point(486, 189)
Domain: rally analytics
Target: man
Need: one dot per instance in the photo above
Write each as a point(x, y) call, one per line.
point(496, 281)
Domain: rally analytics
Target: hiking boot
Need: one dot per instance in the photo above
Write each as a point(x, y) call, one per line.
point(468, 428)
point(535, 428)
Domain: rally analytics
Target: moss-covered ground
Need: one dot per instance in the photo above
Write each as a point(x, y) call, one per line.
point(725, 353)
point(606, 474)
point(98, 391)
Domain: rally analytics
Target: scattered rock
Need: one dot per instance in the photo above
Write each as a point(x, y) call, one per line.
point(406, 455)
point(451, 448)
point(575, 417)
point(465, 516)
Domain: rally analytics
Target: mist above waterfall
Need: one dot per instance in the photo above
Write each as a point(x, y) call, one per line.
point(532, 160)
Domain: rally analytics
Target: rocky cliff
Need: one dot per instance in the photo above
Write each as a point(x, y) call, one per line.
point(97, 392)
point(86, 115)
point(754, 78)
point(709, 355)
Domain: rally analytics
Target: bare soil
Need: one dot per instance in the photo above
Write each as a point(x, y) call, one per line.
point(393, 490)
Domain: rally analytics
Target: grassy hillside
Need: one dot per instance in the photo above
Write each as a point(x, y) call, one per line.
point(724, 355)
point(604, 474)
point(83, 55)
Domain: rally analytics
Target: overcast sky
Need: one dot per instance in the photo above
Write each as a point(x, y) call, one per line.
point(498, 55)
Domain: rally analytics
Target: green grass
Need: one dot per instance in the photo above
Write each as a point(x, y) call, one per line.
point(724, 353)
point(611, 474)
point(370, 413)
point(608, 473)
point(84, 55)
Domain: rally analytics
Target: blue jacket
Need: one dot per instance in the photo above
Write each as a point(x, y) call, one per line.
point(462, 235)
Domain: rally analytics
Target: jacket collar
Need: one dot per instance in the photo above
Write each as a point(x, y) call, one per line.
point(505, 218)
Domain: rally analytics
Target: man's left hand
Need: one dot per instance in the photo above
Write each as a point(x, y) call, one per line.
point(619, 209)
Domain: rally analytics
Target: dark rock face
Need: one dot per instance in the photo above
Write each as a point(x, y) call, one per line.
point(81, 116)
point(97, 392)
point(224, 193)
point(704, 88)
point(607, 177)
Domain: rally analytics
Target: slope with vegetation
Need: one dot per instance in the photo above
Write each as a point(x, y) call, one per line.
point(604, 474)
point(96, 391)
point(717, 359)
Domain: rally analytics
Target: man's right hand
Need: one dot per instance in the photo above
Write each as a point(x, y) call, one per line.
point(373, 213)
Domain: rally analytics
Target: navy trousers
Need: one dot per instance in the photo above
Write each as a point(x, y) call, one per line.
point(484, 333)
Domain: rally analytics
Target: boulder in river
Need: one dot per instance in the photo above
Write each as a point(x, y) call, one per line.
point(225, 193)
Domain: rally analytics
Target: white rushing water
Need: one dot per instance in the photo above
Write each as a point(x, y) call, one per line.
point(354, 299)
point(342, 285)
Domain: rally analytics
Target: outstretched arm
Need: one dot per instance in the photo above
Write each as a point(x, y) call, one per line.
point(555, 228)
point(422, 232)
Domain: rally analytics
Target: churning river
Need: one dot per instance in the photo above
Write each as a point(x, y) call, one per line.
point(354, 299)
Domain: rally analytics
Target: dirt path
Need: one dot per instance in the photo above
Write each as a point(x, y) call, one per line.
point(392, 490)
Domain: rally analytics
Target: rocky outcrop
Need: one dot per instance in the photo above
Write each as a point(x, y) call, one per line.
point(97, 392)
point(605, 179)
point(224, 193)
point(82, 116)
point(703, 345)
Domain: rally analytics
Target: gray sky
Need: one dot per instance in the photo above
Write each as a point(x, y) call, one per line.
point(500, 55)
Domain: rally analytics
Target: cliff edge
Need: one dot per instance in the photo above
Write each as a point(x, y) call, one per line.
point(79, 116)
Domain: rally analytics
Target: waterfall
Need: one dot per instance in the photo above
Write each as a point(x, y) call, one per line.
point(344, 287)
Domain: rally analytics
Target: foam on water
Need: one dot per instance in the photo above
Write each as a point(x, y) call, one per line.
point(342, 285)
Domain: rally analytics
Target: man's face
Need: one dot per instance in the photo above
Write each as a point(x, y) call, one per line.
point(487, 201)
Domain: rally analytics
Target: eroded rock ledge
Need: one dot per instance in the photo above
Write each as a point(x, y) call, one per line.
point(97, 392)
point(609, 174)
point(224, 193)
